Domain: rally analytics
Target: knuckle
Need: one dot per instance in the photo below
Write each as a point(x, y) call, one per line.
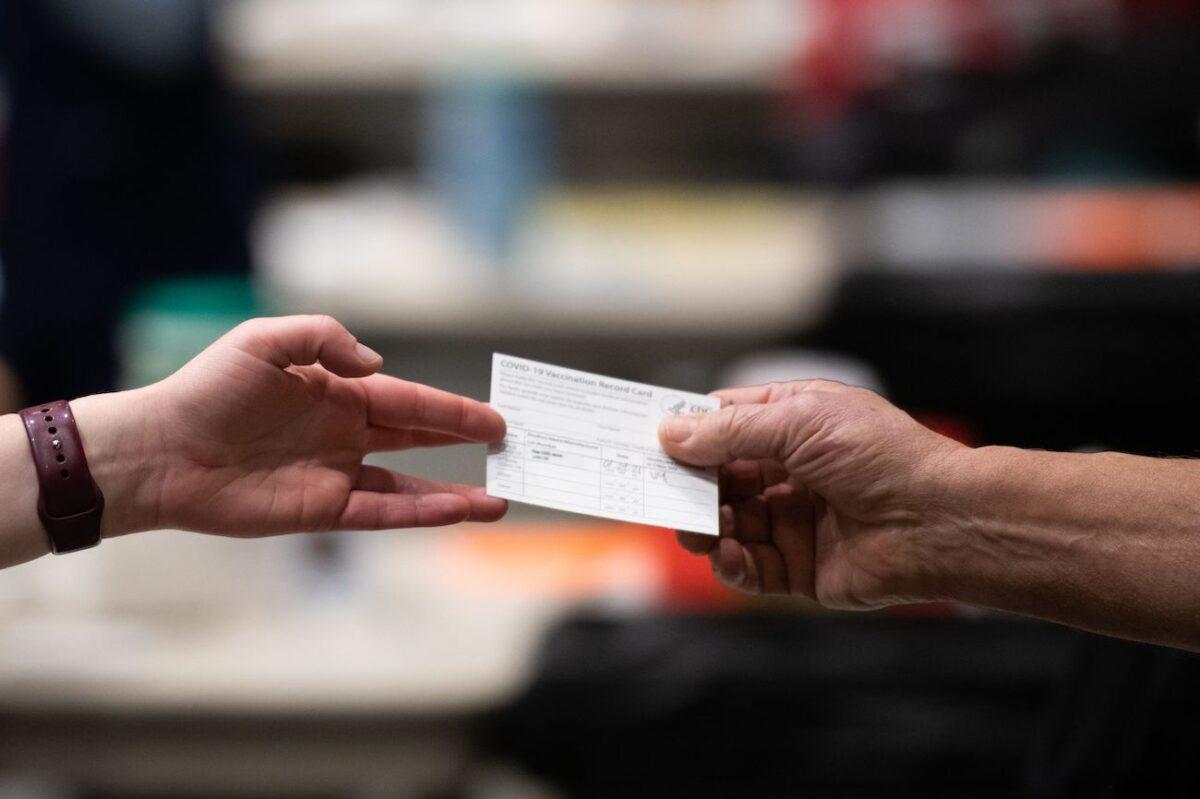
point(826, 596)
point(326, 325)
point(809, 404)
point(251, 333)
point(826, 385)
point(864, 395)
point(251, 326)
point(779, 389)
point(818, 416)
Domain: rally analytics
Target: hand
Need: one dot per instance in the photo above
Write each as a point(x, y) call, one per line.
point(828, 492)
point(265, 432)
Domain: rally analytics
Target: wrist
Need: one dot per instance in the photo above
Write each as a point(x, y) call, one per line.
point(117, 431)
point(999, 528)
point(914, 530)
point(957, 508)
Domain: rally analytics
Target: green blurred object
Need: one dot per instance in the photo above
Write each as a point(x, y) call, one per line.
point(169, 322)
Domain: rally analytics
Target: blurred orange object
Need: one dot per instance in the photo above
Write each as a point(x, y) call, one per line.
point(580, 561)
point(1109, 231)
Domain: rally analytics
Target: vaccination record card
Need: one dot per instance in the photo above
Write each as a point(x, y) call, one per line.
point(586, 443)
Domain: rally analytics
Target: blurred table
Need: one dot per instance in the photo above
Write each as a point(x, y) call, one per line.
point(358, 693)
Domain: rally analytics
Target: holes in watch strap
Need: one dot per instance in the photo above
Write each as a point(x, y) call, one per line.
point(56, 442)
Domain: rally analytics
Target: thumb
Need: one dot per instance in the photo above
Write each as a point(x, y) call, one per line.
point(304, 340)
point(736, 432)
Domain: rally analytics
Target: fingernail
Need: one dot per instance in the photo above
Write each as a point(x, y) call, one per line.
point(678, 428)
point(725, 519)
point(366, 354)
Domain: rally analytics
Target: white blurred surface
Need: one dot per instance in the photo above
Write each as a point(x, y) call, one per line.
point(307, 43)
point(743, 260)
point(169, 621)
point(781, 366)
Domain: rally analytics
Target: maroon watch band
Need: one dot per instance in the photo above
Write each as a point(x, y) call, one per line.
point(69, 501)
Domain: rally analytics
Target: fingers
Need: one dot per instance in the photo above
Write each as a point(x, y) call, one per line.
point(752, 520)
point(304, 340)
point(742, 479)
point(750, 568)
point(755, 422)
point(768, 570)
point(393, 403)
point(481, 507)
point(370, 510)
point(793, 522)
point(728, 563)
point(735, 566)
point(737, 432)
point(400, 405)
point(767, 543)
point(390, 439)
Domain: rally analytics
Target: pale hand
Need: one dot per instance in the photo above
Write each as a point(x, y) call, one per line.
point(265, 433)
point(828, 492)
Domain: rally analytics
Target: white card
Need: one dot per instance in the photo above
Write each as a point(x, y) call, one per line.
point(588, 444)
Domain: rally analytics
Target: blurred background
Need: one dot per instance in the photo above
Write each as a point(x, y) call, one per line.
point(988, 210)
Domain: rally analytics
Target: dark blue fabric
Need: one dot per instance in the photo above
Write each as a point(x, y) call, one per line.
point(113, 178)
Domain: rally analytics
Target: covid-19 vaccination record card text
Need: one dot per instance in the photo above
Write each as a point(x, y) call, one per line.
point(587, 443)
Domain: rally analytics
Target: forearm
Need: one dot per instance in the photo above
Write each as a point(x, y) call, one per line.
point(21, 535)
point(1106, 542)
point(119, 448)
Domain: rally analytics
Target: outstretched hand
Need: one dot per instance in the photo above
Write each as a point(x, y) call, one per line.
point(265, 433)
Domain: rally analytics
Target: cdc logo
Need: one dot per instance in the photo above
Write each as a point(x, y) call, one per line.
point(674, 405)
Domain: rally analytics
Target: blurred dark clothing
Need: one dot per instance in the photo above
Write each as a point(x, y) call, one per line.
point(854, 706)
point(1123, 726)
point(786, 705)
point(116, 175)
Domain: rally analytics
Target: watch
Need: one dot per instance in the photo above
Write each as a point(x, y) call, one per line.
point(70, 504)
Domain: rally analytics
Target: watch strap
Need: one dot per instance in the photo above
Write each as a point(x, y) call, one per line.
point(70, 504)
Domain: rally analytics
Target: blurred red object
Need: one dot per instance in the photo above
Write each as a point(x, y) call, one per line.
point(860, 45)
point(688, 581)
point(950, 426)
